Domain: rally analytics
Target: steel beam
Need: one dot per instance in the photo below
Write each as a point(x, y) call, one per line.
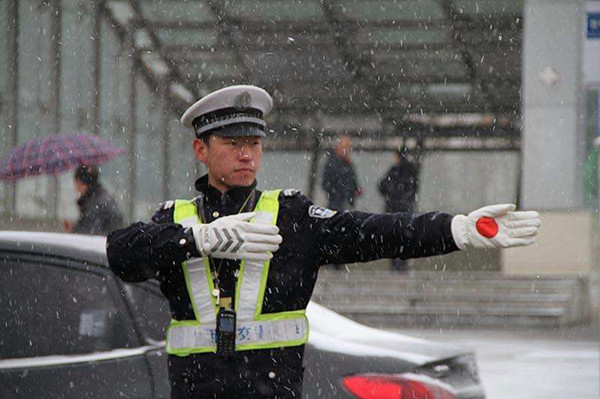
point(166, 144)
point(225, 28)
point(54, 66)
point(314, 165)
point(318, 82)
point(12, 88)
point(467, 58)
point(181, 51)
point(366, 144)
point(132, 124)
point(395, 105)
point(500, 23)
point(404, 129)
point(140, 21)
point(148, 76)
point(95, 62)
point(341, 34)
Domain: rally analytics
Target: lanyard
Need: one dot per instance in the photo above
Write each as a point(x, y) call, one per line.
point(214, 269)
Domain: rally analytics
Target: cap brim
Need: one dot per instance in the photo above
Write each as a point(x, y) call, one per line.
point(238, 130)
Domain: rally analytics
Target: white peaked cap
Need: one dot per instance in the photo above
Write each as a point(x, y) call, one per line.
point(231, 105)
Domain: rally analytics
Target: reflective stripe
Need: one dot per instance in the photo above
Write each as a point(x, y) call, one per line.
point(189, 221)
point(248, 290)
point(200, 284)
point(254, 329)
point(189, 338)
point(196, 270)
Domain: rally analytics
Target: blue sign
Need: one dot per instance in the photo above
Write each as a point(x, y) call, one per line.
point(593, 25)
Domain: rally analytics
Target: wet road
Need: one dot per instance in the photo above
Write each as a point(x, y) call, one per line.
point(531, 364)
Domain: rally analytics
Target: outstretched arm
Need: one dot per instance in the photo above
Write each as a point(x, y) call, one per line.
point(354, 236)
point(344, 237)
point(358, 236)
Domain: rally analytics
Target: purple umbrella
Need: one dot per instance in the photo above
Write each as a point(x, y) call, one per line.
point(54, 154)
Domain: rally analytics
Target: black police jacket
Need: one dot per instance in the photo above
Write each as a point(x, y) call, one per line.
point(312, 236)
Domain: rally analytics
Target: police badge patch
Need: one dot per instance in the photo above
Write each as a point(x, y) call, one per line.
point(319, 212)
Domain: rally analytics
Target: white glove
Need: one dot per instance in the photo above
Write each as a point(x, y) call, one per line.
point(495, 226)
point(234, 237)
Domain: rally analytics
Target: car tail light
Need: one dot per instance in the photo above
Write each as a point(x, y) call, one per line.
point(402, 386)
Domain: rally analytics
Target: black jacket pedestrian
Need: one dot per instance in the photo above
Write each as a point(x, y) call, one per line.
point(399, 187)
point(99, 213)
point(312, 236)
point(340, 182)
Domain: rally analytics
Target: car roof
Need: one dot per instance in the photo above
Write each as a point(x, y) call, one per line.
point(91, 249)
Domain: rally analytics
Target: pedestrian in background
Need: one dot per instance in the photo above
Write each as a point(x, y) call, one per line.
point(99, 213)
point(399, 189)
point(339, 177)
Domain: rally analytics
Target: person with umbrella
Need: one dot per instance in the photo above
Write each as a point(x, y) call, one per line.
point(57, 153)
point(99, 212)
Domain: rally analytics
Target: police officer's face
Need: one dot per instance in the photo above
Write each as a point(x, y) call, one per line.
point(231, 161)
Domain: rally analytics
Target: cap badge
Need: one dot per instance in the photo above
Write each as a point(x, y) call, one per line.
point(242, 100)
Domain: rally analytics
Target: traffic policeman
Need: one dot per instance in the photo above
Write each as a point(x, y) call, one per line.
point(238, 265)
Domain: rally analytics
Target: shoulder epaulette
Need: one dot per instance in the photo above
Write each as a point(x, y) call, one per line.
point(166, 205)
point(290, 192)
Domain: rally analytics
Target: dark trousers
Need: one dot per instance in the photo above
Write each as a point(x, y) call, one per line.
point(399, 265)
point(242, 377)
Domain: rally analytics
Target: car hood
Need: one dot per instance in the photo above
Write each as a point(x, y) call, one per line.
point(332, 332)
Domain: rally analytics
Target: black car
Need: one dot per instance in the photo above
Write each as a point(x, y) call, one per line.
point(70, 329)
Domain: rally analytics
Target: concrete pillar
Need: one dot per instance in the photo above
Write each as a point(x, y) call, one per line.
point(553, 134)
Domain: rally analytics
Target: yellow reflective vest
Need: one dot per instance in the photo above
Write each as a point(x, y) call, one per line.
point(254, 330)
